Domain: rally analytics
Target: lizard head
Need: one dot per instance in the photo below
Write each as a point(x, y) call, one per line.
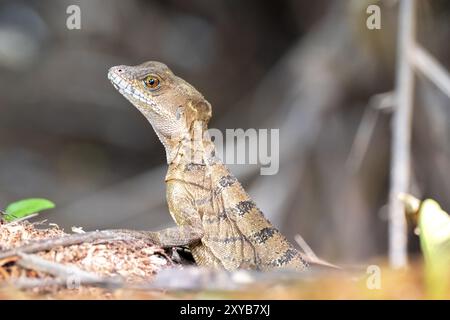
point(169, 103)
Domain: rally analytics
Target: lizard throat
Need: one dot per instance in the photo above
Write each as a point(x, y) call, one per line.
point(195, 147)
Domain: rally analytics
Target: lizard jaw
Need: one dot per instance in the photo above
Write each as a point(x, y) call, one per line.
point(120, 83)
point(125, 87)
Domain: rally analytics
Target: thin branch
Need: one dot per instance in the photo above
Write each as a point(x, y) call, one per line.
point(304, 246)
point(401, 136)
point(68, 275)
point(74, 283)
point(32, 283)
point(311, 257)
point(34, 262)
point(431, 68)
point(48, 244)
point(380, 102)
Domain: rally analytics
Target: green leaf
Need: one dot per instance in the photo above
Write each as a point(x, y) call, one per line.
point(26, 207)
point(434, 232)
point(434, 226)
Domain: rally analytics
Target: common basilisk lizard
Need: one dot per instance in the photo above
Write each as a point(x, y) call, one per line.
point(215, 216)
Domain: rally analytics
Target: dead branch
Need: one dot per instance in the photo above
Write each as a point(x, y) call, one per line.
point(47, 244)
point(431, 68)
point(380, 102)
point(33, 262)
point(401, 136)
point(311, 257)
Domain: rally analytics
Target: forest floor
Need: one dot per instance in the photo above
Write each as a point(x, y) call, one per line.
point(135, 265)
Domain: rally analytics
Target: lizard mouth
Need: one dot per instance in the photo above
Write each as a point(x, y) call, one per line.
point(118, 82)
point(127, 88)
point(122, 85)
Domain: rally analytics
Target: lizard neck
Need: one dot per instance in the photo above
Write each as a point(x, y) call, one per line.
point(195, 147)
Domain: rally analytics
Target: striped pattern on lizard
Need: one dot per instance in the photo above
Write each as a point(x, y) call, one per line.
point(215, 216)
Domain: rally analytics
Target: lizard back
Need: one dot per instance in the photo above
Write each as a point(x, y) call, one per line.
point(271, 248)
point(236, 233)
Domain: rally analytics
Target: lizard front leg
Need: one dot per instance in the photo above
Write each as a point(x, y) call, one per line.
point(170, 237)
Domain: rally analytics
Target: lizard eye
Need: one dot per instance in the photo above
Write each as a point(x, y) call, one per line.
point(151, 82)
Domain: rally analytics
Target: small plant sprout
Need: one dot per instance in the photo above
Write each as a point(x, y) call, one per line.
point(25, 209)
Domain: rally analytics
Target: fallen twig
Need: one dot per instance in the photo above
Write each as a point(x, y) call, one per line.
point(47, 244)
point(68, 275)
point(35, 262)
point(33, 283)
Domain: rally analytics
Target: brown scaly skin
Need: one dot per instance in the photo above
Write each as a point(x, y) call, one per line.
point(215, 217)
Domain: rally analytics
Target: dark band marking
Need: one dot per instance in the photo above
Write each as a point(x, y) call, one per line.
point(214, 219)
point(285, 258)
point(194, 167)
point(227, 181)
point(226, 240)
point(244, 207)
point(224, 182)
point(241, 209)
point(264, 234)
point(231, 258)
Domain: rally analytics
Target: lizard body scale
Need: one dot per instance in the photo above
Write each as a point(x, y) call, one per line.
point(215, 216)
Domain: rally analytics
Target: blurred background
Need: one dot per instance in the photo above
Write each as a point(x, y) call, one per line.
point(308, 68)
